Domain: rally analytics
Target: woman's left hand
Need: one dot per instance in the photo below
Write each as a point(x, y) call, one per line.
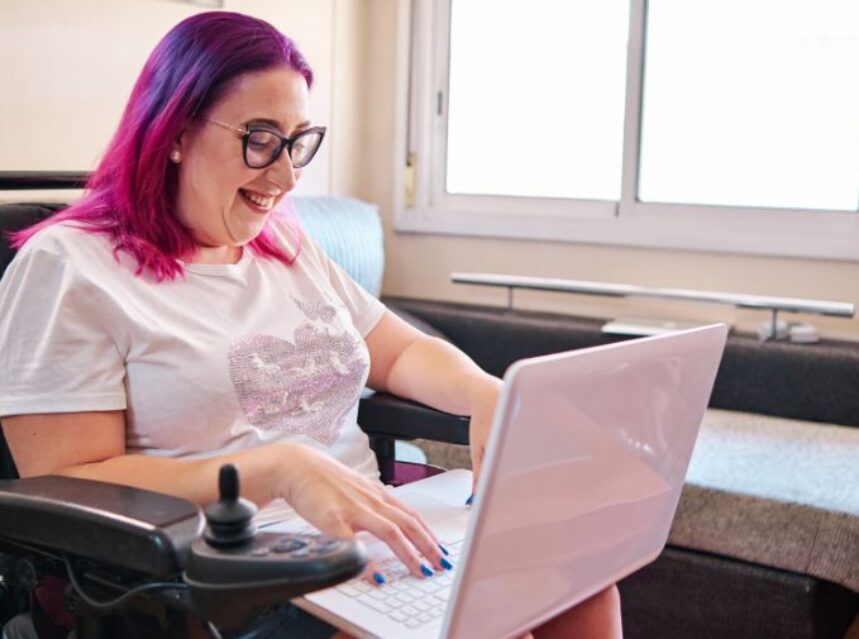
point(483, 400)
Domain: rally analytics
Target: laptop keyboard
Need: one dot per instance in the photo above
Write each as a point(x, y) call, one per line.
point(406, 599)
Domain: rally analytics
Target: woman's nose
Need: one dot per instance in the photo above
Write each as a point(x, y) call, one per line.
point(282, 173)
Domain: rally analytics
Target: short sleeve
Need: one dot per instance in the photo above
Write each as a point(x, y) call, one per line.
point(56, 354)
point(365, 310)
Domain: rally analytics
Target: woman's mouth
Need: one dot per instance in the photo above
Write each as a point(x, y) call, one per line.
point(258, 201)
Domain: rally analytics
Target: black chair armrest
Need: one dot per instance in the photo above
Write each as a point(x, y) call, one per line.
point(386, 418)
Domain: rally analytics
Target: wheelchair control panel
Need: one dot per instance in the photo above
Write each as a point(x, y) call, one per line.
point(228, 571)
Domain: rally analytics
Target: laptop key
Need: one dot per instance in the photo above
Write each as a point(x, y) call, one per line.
point(398, 615)
point(411, 611)
point(375, 604)
point(428, 586)
point(396, 601)
point(348, 590)
point(360, 586)
point(434, 602)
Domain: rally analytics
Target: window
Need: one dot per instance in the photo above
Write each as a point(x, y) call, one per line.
point(699, 124)
point(512, 128)
point(752, 103)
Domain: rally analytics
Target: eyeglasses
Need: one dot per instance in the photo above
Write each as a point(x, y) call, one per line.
point(261, 146)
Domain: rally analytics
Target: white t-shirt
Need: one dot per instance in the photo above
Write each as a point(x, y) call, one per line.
point(228, 358)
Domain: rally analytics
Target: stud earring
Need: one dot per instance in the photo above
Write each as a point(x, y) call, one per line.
point(175, 156)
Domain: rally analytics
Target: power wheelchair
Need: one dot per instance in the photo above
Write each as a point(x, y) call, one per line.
point(94, 560)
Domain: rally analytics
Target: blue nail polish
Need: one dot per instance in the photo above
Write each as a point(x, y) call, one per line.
point(446, 564)
point(443, 549)
point(379, 578)
point(469, 500)
point(427, 570)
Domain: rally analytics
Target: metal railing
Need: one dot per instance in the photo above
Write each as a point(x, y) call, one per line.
point(758, 302)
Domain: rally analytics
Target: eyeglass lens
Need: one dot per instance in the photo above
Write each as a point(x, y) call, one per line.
point(263, 148)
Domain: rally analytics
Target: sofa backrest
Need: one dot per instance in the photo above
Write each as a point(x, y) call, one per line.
point(348, 230)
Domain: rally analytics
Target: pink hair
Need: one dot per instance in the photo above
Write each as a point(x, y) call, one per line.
point(131, 195)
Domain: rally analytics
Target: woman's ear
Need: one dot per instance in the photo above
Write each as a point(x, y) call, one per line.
point(176, 148)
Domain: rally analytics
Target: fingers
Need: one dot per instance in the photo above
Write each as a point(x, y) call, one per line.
point(339, 528)
point(418, 532)
point(407, 539)
point(372, 575)
point(340, 502)
point(412, 513)
point(476, 466)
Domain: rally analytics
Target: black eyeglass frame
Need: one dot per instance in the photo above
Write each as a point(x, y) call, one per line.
point(285, 142)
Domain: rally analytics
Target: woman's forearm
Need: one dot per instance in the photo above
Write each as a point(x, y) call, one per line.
point(435, 373)
point(263, 472)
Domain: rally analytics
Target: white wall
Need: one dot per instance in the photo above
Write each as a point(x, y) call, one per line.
point(67, 66)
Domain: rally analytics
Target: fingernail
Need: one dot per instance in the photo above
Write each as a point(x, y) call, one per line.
point(446, 564)
point(469, 500)
point(443, 549)
point(427, 570)
point(379, 578)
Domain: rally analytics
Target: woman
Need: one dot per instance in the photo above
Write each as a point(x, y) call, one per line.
point(176, 318)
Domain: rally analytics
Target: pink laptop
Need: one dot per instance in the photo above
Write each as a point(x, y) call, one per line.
point(579, 489)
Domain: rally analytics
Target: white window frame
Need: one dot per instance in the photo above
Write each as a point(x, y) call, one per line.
point(423, 206)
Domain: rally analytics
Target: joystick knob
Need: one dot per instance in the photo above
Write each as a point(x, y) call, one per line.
point(229, 519)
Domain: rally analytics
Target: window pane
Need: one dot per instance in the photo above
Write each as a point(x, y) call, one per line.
point(536, 97)
point(752, 103)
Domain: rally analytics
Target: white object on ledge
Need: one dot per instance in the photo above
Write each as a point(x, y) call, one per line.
point(647, 326)
point(765, 330)
point(803, 333)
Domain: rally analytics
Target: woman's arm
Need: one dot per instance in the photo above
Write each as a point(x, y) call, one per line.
point(92, 446)
point(332, 497)
point(411, 364)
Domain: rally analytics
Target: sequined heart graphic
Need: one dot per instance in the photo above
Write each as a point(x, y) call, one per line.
point(304, 387)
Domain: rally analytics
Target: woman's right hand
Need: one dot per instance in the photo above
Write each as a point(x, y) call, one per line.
point(340, 502)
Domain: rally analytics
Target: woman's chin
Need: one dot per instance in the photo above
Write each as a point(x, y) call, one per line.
point(246, 234)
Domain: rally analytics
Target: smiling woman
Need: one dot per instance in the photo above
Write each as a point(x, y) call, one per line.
point(229, 184)
point(177, 318)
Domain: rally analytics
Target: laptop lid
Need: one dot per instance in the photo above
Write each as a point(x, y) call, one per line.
point(582, 476)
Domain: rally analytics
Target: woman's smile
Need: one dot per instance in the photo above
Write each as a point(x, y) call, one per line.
point(257, 201)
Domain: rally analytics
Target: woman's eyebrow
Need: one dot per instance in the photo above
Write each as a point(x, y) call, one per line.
point(276, 125)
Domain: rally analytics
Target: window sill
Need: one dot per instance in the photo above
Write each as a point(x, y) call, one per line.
point(835, 237)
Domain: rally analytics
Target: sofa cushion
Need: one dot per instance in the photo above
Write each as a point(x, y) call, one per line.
point(770, 491)
point(774, 491)
point(350, 232)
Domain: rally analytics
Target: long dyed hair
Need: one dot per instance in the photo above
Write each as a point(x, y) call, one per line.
point(131, 195)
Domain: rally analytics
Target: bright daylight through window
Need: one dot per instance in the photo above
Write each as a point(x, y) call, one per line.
point(752, 103)
point(536, 102)
point(727, 125)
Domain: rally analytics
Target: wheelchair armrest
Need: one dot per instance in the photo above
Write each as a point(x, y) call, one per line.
point(387, 417)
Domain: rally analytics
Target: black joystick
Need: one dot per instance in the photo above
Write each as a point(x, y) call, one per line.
point(234, 573)
point(228, 520)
